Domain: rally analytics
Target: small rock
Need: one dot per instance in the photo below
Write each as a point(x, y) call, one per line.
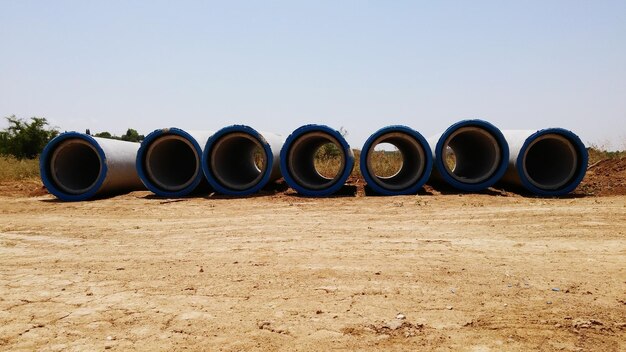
point(263, 324)
point(201, 270)
point(506, 305)
point(556, 289)
point(400, 316)
point(449, 307)
point(110, 338)
point(394, 324)
point(549, 302)
point(557, 325)
point(453, 290)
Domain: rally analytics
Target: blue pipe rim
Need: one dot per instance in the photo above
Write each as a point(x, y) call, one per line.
point(349, 162)
point(217, 186)
point(44, 167)
point(497, 175)
point(581, 167)
point(428, 165)
point(141, 171)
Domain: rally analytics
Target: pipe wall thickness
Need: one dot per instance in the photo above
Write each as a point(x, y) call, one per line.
point(238, 160)
point(169, 161)
point(417, 161)
point(480, 153)
point(76, 166)
point(297, 160)
point(547, 162)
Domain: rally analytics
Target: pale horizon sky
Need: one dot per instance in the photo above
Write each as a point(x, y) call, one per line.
point(276, 65)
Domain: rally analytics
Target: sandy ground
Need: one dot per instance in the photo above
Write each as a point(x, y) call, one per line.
point(470, 272)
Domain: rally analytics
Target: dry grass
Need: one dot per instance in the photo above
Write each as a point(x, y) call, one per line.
point(12, 169)
point(597, 153)
point(385, 164)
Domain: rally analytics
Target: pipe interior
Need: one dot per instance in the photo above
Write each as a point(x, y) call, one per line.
point(172, 162)
point(301, 160)
point(476, 154)
point(75, 166)
point(238, 161)
point(550, 161)
point(413, 161)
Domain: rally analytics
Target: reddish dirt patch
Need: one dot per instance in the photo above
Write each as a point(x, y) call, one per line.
point(23, 188)
point(605, 178)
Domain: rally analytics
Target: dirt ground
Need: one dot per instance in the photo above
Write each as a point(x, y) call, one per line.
point(281, 272)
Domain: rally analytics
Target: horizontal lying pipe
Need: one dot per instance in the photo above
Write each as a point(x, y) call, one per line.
point(297, 160)
point(480, 154)
point(238, 160)
point(417, 161)
point(76, 166)
point(548, 162)
point(169, 162)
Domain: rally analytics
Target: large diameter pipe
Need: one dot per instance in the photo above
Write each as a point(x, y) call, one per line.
point(169, 161)
point(297, 160)
point(417, 161)
point(548, 162)
point(76, 166)
point(238, 160)
point(479, 151)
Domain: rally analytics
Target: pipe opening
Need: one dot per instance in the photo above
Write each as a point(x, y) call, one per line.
point(75, 166)
point(471, 154)
point(316, 160)
point(550, 161)
point(398, 167)
point(172, 163)
point(238, 161)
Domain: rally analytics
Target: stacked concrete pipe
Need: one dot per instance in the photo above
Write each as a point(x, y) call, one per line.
point(230, 160)
point(169, 162)
point(481, 155)
point(548, 162)
point(417, 161)
point(76, 166)
point(297, 160)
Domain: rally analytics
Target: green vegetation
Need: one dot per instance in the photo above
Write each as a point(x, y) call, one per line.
point(24, 139)
point(131, 135)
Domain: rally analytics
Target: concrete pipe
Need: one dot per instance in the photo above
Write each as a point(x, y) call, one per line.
point(548, 162)
point(470, 155)
point(76, 166)
point(238, 160)
point(169, 161)
point(417, 161)
point(297, 160)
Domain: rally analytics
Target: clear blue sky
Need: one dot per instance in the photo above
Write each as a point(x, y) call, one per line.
point(275, 65)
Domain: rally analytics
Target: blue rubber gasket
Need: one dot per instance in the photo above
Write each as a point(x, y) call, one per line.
point(46, 177)
point(349, 162)
point(581, 167)
point(141, 168)
point(207, 152)
point(428, 165)
point(500, 170)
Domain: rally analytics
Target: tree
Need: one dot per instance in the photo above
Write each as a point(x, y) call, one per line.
point(24, 139)
point(330, 150)
point(104, 135)
point(131, 135)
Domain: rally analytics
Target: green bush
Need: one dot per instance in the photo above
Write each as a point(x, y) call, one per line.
point(25, 139)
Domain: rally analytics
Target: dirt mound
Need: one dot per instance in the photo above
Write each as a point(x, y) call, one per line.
point(23, 188)
point(605, 178)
